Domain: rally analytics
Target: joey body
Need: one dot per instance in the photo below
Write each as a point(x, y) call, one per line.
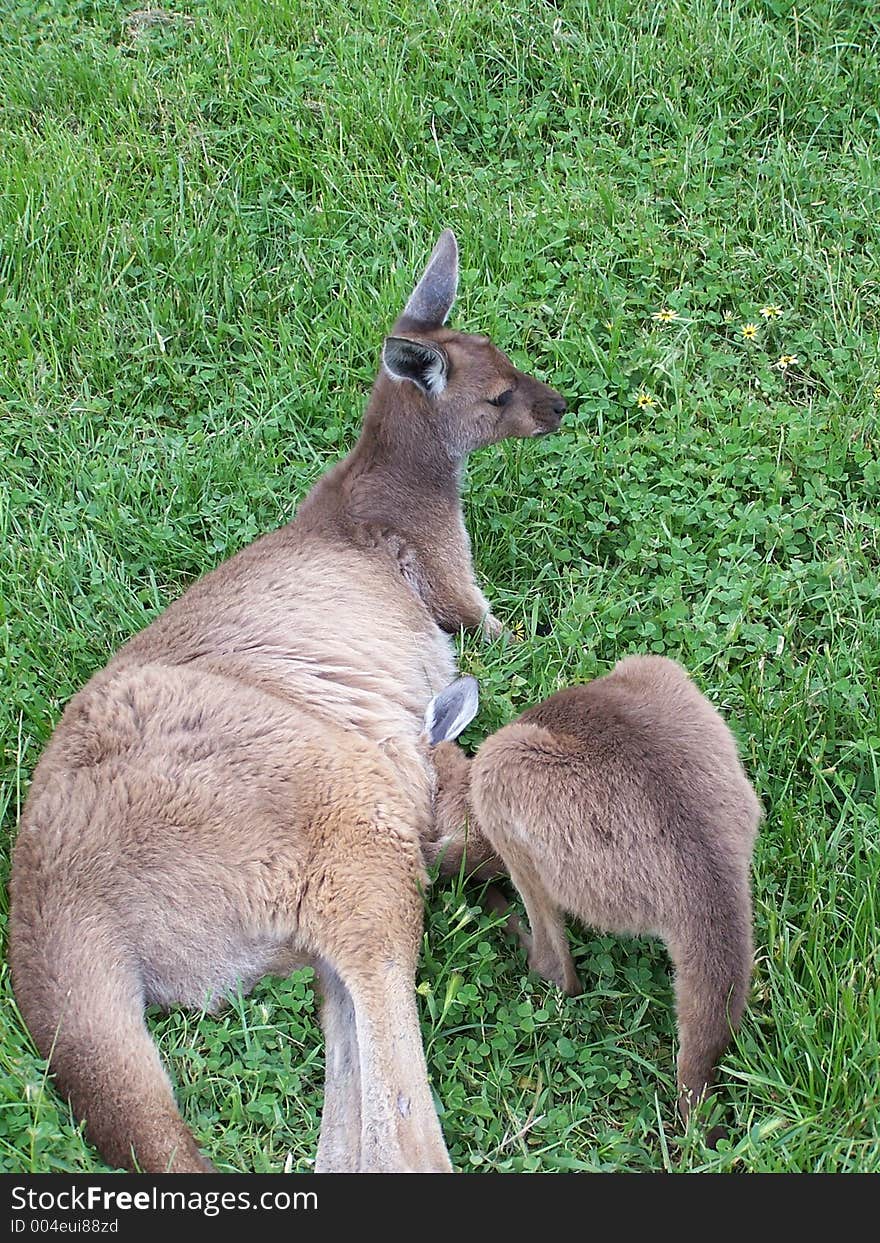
point(624, 803)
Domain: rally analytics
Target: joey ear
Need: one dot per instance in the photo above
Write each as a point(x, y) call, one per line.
point(452, 710)
point(431, 300)
point(426, 365)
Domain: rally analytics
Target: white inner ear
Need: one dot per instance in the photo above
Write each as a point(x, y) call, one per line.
point(452, 710)
point(435, 375)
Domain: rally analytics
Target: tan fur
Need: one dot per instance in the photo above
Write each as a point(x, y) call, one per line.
point(243, 789)
point(624, 803)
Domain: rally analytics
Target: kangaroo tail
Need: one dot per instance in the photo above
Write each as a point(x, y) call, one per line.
point(84, 1007)
point(713, 966)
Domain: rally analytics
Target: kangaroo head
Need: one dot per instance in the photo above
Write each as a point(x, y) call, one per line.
point(472, 392)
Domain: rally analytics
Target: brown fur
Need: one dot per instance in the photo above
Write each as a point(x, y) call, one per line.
point(624, 803)
point(242, 790)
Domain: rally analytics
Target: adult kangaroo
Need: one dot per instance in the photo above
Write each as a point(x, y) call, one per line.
point(242, 790)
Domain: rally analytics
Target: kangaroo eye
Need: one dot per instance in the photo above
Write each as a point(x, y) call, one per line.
point(502, 399)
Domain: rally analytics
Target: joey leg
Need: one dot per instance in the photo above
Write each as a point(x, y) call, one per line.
point(547, 946)
point(467, 850)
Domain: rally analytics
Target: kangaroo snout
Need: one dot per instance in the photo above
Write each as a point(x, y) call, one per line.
point(545, 408)
point(548, 415)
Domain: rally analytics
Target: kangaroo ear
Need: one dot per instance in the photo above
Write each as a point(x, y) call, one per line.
point(426, 365)
point(452, 710)
point(431, 300)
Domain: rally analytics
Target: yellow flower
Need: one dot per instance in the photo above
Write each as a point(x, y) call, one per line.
point(645, 401)
point(665, 316)
point(771, 312)
point(749, 330)
point(727, 316)
point(786, 361)
point(877, 393)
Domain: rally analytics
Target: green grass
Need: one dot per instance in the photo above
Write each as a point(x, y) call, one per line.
point(206, 228)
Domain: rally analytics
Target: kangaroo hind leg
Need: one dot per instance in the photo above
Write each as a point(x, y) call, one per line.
point(365, 922)
point(339, 1146)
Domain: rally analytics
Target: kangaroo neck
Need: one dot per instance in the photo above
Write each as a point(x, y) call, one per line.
point(398, 493)
point(377, 467)
point(401, 448)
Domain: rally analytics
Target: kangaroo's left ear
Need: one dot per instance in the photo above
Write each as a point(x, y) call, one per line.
point(423, 363)
point(431, 301)
point(452, 710)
